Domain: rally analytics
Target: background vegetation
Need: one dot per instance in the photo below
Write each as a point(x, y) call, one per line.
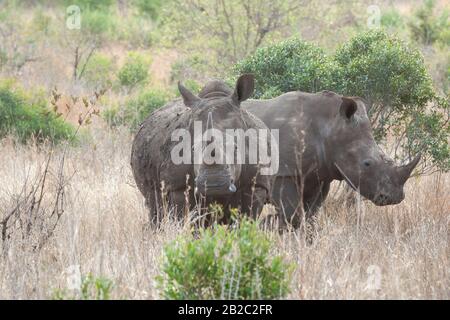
point(102, 72)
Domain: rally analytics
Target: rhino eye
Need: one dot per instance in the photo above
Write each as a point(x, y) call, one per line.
point(367, 163)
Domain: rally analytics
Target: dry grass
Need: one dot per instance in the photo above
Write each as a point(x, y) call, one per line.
point(391, 252)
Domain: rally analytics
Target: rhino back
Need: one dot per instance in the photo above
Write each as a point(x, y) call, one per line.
point(296, 116)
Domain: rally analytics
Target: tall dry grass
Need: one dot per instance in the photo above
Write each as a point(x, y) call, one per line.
point(398, 251)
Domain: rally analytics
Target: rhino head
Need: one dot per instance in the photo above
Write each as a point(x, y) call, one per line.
point(217, 108)
point(358, 159)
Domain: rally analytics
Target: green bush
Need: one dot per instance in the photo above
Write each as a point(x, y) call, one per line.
point(393, 77)
point(237, 262)
point(29, 117)
point(134, 72)
point(91, 288)
point(99, 71)
point(392, 18)
point(97, 23)
point(426, 27)
point(136, 109)
point(384, 70)
point(288, 66)
point(149, 8)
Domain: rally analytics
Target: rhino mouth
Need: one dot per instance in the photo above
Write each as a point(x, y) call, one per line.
point(385, 200)
point(213, 185)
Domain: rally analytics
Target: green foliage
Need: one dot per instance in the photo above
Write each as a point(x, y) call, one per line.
point(136, 109)
point(29, 117)
point(97, 23)
point(392, 19)
point(99, 71)
point(385, 71)
point(393, 78)
point(149, 8)
point(225, 31)
point(430, 131)
point(92, 288)
point(237, 262)
point(426, 28)
point(134, 72)
point(287, 66)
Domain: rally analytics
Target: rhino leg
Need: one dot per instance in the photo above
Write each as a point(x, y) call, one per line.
point(313, 203)
point(178, 204)
point(285, 195)
point(153, 203)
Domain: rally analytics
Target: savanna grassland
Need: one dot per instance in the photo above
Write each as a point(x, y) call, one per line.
point(69, 206)
point(390, 252)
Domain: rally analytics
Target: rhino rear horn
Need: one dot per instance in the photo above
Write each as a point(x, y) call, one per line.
point(244, 87)
point(189, 99)
point(405, 170)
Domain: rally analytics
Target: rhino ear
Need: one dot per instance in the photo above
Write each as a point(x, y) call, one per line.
point(244, 88)
point(348, 107)
point(189, 99)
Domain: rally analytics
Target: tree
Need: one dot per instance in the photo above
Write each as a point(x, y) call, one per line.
point(17, 49)
point(83, 42)
point(229, 29)
point(426, 28)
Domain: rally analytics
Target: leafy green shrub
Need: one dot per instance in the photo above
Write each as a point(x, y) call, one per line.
point(29, 117)
point(393, 78)
point(99, 71)
point(136, 109)
point(149, 8)
point(428, 28)
point(96, 22)
point(92, 288)
point(134, 72)
point(392, 18)
point(231, 263)
point(287, 66)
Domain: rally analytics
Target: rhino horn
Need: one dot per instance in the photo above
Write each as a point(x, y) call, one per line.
point(189, 99)
point(209, 122)
point(405, 171)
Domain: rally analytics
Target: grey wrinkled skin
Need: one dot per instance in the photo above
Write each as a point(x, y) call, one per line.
point(168, 187)
point(326, 137)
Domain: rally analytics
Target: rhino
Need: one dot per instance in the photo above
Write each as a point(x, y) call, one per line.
point(167, 185)
point(324, 137)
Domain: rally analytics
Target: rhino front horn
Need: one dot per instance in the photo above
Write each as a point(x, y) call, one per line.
point(209, 122)
point(405, 171)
